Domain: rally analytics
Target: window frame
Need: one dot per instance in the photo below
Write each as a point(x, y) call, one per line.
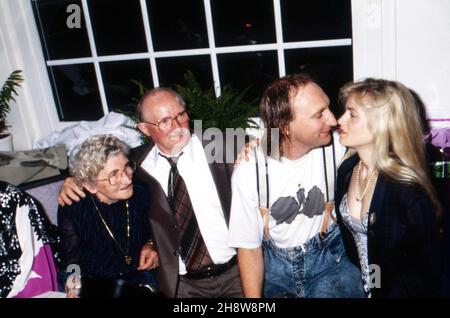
point(279, 46)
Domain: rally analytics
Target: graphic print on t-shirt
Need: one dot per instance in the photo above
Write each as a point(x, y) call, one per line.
point(285, 209)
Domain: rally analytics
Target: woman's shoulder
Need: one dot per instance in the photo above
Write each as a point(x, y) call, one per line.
point(348, 163)
point(407, 193)
point(140, 188)
point(75, 209)
point(141, 194)
point(402, 188)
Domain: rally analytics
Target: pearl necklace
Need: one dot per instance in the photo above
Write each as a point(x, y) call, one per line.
point(358, 174)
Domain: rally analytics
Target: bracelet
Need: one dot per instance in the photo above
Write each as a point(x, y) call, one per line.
point(150, 243)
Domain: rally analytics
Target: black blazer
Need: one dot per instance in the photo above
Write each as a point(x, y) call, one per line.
point(402, 236)
point(162, 219)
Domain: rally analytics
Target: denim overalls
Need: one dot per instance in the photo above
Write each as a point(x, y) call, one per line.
point(321, 268)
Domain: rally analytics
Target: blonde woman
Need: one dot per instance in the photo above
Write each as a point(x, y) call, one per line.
point(386, 206)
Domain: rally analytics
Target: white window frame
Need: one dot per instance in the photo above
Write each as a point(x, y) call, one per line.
point(26, 47)
point(279, 46)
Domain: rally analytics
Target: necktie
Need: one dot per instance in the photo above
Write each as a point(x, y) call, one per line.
point(193, 250)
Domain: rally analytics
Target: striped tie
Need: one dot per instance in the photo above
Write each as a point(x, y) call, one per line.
point(193, 250)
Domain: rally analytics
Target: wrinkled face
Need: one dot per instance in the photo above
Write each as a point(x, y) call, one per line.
point(354, 131)
point(115, 169)
point(159, 109)
point(313, 119)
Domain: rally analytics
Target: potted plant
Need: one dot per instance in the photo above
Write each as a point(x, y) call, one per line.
point(229, 110)
point(7, 93)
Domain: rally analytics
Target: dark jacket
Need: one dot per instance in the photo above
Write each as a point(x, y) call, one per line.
point(163, 222)
point(402, 236)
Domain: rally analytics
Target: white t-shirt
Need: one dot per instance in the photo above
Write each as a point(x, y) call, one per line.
point(194, 169)
point(296, 199)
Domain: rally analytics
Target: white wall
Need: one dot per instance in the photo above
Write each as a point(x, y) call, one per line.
point(405, 40)
point(423, 55)
point(408, 41)
point(34, 115)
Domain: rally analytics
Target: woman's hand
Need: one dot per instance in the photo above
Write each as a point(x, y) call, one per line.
point(149, 257)
point(73, 286)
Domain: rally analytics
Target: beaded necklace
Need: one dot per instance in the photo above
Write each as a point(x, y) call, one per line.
point(369, 180)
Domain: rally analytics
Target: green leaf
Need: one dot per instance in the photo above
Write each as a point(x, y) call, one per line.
point(229, 110)
point(7, 93)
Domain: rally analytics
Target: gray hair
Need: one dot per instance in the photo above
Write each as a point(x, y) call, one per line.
point(93, 154)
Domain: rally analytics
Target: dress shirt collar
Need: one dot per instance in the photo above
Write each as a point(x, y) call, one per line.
point(188, 150)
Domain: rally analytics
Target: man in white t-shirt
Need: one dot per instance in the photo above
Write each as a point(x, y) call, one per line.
point(284, 251)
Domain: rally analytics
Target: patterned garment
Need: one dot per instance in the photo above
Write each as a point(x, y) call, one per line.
point(359, 231)
point(17, 212)
point(193, 249)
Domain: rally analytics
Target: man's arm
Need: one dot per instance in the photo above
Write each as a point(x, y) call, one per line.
point(251, 268)
point(70, 191)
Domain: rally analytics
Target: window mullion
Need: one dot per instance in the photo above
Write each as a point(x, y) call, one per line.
point(98, 73)
point(279, 36)
point(148, 37)
point(212, 46)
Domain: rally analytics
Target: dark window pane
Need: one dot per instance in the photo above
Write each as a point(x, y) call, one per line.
point(177, 24)
point(118, 27)
point(171, 70)
point(76, 92)
point(243, 22)
point(316, 20)
point(254, 70)
point(57, 39)
point(331, 67)
point(121, 92)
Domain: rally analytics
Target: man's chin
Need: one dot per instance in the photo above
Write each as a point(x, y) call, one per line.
point(180, 143)
point(325, 139)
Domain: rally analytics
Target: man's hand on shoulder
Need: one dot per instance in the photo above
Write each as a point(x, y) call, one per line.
point(70, 191)
point(245, 152)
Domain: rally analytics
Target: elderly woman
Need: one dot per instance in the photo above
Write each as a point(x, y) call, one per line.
point(107, 233)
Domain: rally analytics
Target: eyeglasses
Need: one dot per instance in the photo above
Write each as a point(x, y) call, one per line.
point(115, 176)
point(167, 122)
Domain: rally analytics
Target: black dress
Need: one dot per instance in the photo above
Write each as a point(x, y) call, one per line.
point(86, 241)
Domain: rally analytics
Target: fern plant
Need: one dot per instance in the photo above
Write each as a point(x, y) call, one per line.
point(229, 110)
point(7, 93)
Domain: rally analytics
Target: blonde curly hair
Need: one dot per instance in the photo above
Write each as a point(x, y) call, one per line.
point(93, 154)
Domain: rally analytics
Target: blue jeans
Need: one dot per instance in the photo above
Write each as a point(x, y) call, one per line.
point(322, 270)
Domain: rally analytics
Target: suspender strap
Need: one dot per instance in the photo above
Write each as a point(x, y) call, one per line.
point(329, 168)
point(262, 183)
